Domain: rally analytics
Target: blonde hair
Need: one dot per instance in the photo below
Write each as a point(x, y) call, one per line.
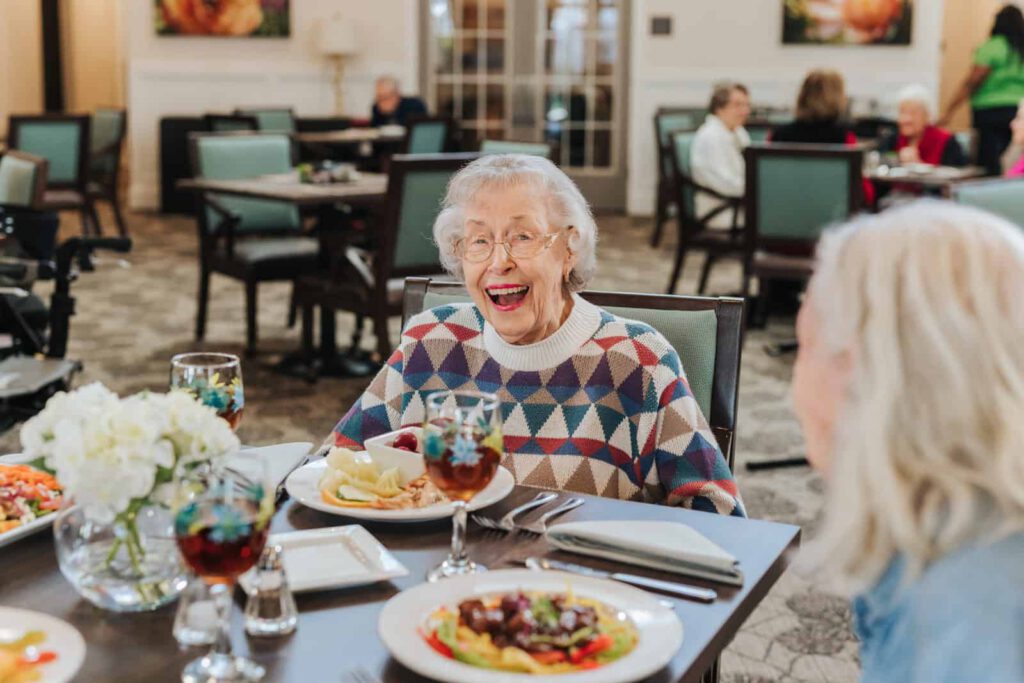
point(822, 96)
point(928, 453)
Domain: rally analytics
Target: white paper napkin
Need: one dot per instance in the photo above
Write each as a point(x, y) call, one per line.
point(280, 460)
point(668, 546)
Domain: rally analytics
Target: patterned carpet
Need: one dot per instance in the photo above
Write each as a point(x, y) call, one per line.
point(133, 317)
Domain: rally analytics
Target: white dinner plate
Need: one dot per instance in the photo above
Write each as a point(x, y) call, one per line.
point(335, 557)
point(303, 486)
point(659, 629)
point(61, 638)
point(37, 524)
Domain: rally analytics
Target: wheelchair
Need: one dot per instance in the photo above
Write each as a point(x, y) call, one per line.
point(34, 335)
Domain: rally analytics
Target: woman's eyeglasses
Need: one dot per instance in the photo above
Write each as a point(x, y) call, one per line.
point(521, 245)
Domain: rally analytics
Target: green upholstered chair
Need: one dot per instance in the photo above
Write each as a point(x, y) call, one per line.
point(107, 132)
point(63, 140)
point(793, 192)
point(22, 180)
point(371, 284)
point(428, 135)
point(759, 131)
point(1002, 196)
point(666, 121)
point(540, 149)
point(706, 332)
point(694, 230)
point(231, 123)
point(271, 119)
point(253, 240)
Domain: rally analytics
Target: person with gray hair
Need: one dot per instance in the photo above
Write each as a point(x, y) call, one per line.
point(390, 108)
point(909, 388)
point(716, 157)
point(920, 141)
point(592, 402)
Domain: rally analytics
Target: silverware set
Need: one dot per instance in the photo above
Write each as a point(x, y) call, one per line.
point(507, 524)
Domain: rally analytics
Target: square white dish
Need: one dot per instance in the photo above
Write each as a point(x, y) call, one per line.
point(409, 463)
point(332, 557)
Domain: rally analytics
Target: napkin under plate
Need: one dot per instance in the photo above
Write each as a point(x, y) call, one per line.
point(280, 460)
point(668, 546)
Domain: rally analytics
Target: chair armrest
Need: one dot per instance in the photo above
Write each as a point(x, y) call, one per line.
point(358, 260)
point(229, 221)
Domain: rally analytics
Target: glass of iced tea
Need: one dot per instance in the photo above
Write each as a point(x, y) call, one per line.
point(221, 520)
point(215, 379)
point(462, 447)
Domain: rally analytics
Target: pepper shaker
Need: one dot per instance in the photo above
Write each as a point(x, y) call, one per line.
point(270, 609)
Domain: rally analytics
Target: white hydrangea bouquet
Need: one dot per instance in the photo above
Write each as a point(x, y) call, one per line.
point(115, 455)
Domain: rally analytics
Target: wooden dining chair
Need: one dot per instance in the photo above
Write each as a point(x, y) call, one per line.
point(695, 231)
point(252, 240)
point(22, 180)
point(540, 149)
point(370, 283)
point(667, 120)
point(231, 123)
point(106, 140)
point(63, 140)
point(793, 192)
point(706, 332)
point(270, 119)
point(428, 135)
point(1001, 196)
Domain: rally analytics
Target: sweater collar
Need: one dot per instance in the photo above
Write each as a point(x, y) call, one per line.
point(582, 323)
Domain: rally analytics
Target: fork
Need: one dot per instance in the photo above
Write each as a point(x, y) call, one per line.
point(505, 524)
point(540, 527)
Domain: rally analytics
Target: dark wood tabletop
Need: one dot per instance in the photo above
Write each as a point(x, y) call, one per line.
point(934, 177)
point(368, 188)
point(337, 629)
point(350, 136)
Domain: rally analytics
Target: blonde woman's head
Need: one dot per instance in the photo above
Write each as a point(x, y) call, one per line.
point(909, 385)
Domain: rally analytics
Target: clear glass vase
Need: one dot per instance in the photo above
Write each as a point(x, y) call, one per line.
point(130, 564)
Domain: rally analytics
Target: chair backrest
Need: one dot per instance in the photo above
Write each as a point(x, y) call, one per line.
point(416, 187)
point(706, 332)
point(667, 120)
point(61, 139)
point(107, 131)
point(22, 179)
point(235, 156)
point(1002, 196)
point(230, 123)
point(540, 149)
point(428, 135)
point(271, 119)
point(795, 190)
point(682, 146)
point(759, 131)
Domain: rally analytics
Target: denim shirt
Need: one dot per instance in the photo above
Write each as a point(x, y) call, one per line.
point(960, 621)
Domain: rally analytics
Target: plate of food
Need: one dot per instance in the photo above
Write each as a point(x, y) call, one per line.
point(29, 497)
point(38, 647)
point(387, 483)
point(510, 626)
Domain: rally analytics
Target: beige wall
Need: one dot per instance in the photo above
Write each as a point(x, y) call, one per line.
point(21, 61)
point(92, 47)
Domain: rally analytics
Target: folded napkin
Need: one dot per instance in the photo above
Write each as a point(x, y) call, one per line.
point(280, 459)
point(668, 546)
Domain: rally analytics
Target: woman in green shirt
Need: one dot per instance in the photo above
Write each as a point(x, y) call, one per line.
point(995, 87)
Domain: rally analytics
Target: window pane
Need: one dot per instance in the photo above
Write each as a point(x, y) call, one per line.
point(469, 101)
point(469, 54)
point(563, 15)
point(495, 102)
point(602, 142)
point(471, 14)
point(445, 55)
point(446, 100)
point(441, 17)
point(577, 139)
point(578, 104)
point(495, 55)
point(495, 14)
point(603, 103)
point(607, 53)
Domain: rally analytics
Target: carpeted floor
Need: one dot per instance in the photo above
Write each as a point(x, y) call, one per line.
point(132, 319)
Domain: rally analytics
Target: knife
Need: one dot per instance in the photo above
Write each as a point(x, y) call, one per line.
point(678, 589)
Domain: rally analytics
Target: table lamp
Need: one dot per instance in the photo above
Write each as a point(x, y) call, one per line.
point(337, 40)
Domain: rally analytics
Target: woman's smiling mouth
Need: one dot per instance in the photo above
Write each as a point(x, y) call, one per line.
point(507, 297)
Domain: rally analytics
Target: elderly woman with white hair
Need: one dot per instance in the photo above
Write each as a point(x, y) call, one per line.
point(591, 402)
point(909, 386)
point(919, 141)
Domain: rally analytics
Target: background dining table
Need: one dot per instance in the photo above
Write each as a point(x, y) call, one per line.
point(935, 177)
point(337, 631)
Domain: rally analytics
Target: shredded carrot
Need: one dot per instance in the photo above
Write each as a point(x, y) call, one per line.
point(13, 474)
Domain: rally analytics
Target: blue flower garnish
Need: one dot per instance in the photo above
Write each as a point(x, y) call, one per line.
point(229, 524)
point(464, 452)
point(434, 445)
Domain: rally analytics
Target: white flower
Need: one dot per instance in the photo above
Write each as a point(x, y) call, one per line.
point(108, 451)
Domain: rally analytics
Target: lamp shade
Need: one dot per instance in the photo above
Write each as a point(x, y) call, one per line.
point(337, 37)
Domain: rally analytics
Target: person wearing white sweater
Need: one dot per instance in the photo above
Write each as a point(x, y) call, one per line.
point(716, 158)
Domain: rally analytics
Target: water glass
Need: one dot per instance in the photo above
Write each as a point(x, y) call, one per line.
point(215, 379)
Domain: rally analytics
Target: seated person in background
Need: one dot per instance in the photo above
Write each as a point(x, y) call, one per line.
point(1013, 160)
point(716, 157)
point(820, 108)
point(909, 387)
point(919, 141)
point(390, 108)
point(595, 403)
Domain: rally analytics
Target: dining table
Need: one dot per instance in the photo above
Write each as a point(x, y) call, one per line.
point(351, 136)
point(924, 176)
point(337, 629)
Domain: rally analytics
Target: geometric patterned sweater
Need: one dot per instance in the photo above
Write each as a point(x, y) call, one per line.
point(601, 407)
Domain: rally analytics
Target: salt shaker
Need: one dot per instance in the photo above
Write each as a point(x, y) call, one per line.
point(270, 609)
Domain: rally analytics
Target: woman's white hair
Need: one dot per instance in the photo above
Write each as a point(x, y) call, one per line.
point(565, 204)
point(917, 94)
point(928, 454)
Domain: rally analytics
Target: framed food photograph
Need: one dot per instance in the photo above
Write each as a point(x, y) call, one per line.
point(847, 22)
point(226, 18)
